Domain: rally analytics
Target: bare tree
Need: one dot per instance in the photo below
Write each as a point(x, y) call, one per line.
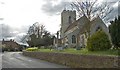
point(91, 8)
point(38, 36)
point(37, 29)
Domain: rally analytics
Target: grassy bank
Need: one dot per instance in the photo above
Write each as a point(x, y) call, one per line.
point(82, 51)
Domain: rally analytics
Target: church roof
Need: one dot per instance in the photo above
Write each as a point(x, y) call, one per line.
point(75, 23)
point(84, 28)
point(97, 19)
point(72, 25)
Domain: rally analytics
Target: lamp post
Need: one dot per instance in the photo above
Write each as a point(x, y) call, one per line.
point(1, 19)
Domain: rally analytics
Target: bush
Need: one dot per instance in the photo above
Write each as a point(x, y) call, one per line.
point(32, 49)
point(98, 41)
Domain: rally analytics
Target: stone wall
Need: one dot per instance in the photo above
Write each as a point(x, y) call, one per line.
point(77, 61)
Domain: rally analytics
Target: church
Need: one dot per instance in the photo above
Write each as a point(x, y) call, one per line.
point(73, 31)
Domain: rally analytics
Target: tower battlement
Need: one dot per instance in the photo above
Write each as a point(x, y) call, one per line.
point(69, 11)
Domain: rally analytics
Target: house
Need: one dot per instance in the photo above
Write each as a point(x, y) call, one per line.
point(11, 45)
point(74, 32)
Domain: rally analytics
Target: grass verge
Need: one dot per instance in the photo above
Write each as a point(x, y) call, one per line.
point(83, 52)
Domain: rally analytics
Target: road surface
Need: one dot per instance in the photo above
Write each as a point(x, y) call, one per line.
point(17, 60)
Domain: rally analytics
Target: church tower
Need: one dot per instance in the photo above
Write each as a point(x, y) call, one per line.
point(67, 18)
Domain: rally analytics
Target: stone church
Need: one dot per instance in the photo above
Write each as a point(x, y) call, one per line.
point(73, 31)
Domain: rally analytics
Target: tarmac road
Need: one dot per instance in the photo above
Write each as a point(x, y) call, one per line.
point(17, 60)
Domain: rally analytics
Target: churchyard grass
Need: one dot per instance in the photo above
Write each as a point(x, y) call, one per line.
point(83, 51)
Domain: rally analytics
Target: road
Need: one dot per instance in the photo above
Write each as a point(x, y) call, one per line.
point(17, 60)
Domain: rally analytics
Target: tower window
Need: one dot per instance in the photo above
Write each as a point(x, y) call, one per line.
point(70, 21)
point(73, 39)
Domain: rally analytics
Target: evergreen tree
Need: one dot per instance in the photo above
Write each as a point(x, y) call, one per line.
point(114, 29)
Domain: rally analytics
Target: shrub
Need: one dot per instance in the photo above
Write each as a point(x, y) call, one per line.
point(32, 49)
point(98, 41)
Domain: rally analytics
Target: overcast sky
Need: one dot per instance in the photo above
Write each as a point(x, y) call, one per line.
point(20, 14)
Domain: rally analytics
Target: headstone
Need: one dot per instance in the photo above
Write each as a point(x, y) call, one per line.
point(60, 48)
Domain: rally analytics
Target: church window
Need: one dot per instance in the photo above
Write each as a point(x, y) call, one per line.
point(73, 39)
point(98, 28)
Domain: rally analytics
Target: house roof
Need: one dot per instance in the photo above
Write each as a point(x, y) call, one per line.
point(11, 44)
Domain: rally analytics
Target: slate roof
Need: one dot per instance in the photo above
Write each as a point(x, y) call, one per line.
point(74, 24)
point(11, 44)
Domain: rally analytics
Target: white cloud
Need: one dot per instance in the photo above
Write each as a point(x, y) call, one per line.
point(20, 14)
point(115, 5)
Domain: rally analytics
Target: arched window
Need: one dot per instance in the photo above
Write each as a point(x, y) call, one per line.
point(73, 39)
point(70, 21)
point(98, 28)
